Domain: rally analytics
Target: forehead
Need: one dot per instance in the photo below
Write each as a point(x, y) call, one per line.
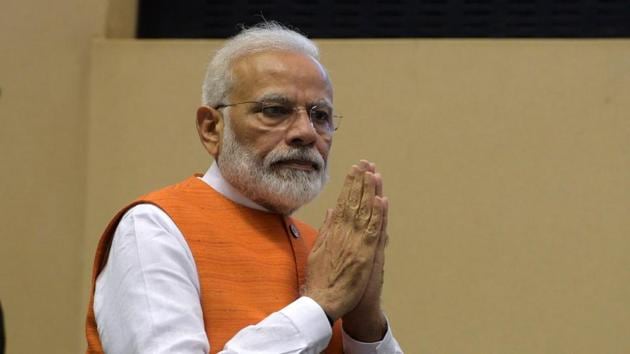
point(294, 75)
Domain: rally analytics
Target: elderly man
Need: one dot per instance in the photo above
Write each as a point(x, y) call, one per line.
point(216, 263)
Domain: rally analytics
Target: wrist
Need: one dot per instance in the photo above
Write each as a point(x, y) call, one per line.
point(365, 327)
point(326, 306)
point(364, 312)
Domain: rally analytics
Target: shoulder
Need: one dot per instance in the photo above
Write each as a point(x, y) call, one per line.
point(145, 217)
point(148, 231)
point(145, 212)
point(167, 191)
point(146, 223)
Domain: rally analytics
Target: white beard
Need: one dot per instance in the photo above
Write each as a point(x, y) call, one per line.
point(275, 187)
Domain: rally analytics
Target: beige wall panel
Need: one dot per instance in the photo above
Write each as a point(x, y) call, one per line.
point(507, 164)
point(121, 19)
point(44, 56)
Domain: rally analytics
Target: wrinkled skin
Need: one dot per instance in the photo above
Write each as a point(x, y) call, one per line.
point(345, 267)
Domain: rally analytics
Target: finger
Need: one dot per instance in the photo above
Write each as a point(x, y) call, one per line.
point(379, 260)
point(364, 165)
point(328, 219)
point(367, 165)
point(385, 214)
point(379, 184)
point(345, 190)
point(367, 199)
point(354, 197)
point(323, 230)
point(379, 257)
point(373, 230)
point(384, 232)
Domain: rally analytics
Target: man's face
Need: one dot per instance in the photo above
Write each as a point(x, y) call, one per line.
point(279, 167)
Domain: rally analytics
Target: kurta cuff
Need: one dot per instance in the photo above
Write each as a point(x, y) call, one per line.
point(310, 320)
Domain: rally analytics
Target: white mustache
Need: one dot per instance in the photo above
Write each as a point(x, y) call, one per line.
point(302, 154)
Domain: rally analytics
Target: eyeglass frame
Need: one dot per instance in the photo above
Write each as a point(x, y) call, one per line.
point(295, 108)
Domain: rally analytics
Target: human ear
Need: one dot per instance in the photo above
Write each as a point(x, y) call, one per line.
point(210, 129)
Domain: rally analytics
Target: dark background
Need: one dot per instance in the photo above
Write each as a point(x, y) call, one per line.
point(390, 18)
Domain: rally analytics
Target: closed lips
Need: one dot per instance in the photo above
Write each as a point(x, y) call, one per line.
point(300, 164)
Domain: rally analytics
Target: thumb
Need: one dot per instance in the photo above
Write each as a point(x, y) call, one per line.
point(323, 230)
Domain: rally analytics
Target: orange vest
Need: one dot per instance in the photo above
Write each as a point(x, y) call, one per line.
point(250, 263)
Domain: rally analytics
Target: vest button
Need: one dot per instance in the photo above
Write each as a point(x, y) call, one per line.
point(294, 231)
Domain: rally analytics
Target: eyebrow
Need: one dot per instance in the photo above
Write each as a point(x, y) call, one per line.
point(274, 97)
point(278, 98)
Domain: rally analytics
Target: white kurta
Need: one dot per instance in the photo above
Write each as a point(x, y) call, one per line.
point(147, 296)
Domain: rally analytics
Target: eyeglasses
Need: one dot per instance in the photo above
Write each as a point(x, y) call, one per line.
point(277, 114)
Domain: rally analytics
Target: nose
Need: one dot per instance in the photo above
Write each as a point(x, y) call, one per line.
point(301, 131)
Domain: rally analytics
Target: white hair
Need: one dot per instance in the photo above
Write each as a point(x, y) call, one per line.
point(262, 37)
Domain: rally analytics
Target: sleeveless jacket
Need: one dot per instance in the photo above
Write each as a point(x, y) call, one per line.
point(250, 263)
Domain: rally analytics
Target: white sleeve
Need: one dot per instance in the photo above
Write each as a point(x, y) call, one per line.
point(147, 297)
point(147, 300)
point(300, 327)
